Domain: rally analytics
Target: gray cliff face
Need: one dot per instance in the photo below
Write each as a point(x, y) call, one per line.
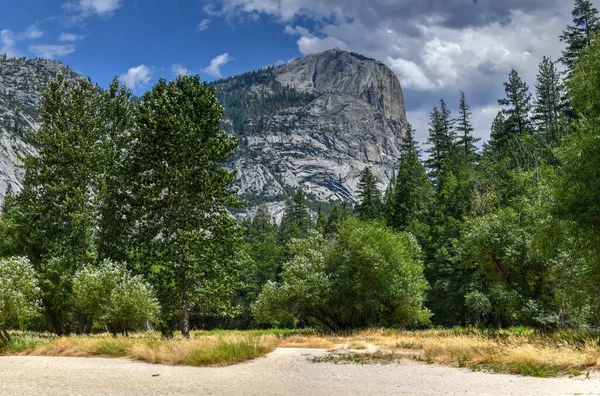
point(314, 123)
point(353, 117)
point(22, 82)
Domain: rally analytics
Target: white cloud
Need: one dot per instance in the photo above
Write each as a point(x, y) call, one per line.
point(32, 33)
point(70, 37)
point(7, 38)
point(179, 70)
point(136, 77)
point(203, 25)
point(50, 51)
point(214, 69)
point(94, 7)
point(410, 74)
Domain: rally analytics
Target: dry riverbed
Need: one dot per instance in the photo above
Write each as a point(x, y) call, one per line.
point(286, 371)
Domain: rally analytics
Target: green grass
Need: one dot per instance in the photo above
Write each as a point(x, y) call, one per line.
point(19, 344)
point(225, 352)
point(112, 348)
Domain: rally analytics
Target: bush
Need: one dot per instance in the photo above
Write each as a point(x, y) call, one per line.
point(112, 295)
point(367, 276)
point(18, 294)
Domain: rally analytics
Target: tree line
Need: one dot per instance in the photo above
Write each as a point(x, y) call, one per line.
point(123, 222)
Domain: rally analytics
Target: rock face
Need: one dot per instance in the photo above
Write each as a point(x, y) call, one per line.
point(22, 82)
point(314, 123)
point(349, 114)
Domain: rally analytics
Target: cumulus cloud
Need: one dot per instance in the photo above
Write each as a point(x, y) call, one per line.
point(214, 69)
point(9, 39)
point(51, 51)
point(136, 77)
point(32, 33)
point(94, 7)
point(203, 25)
point(179, 70)
point(436, 47)
point(70, 37)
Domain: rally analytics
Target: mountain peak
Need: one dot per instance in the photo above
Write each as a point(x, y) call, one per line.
point(339, 71)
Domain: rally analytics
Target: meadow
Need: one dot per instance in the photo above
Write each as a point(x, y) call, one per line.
point(516, 350)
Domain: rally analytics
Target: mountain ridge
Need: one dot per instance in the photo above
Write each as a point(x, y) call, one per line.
point(314, 123)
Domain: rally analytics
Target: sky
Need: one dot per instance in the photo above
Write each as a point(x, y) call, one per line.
point(437, 48)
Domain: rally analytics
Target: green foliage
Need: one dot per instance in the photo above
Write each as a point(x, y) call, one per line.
point(518, 101)
point(583, 86)
point(93, 288)
point(370, 206)
point(548, 107)
point(242, 102)
point(19, 294)
point(464, 129)
point(408, 197)
point(580, 35)
point(441, 140)
point(368, 275)
point(113, 296)
point(296, 219)
point(132, 304)
point(184, 238)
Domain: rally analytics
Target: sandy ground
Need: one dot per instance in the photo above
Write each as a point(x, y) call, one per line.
point(283, 372)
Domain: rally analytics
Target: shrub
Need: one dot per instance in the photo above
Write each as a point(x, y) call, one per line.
point(18, 293)
point(367, 276)
point(114, 296)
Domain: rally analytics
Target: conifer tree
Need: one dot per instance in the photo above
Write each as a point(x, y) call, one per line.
point(369, 196)
point(518, 101)
point(579, 36)
point(464, 128)
point(441, 139)
point(547, 110)
point(296, 220)
point(408, 196)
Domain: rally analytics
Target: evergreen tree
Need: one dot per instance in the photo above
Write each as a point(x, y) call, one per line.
point(518, 101)
point(464, 128)
point(408, 196)
point(185, 238)
point(336, 216)
point(547, 110)
point(296, 220)
point(369, 196)
point(580, 35)
point(441, 139)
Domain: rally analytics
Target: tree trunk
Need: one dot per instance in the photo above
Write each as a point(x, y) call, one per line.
point(184, 323)
point(88, 325)
point(4, 336)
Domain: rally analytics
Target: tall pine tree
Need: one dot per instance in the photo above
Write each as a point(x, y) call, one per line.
point(464, 128)
point(579, 36)
point(369, 197)
point(408, 196)
point(296, 221)
point(548, 105)
point(518, 103)
point(441, 139)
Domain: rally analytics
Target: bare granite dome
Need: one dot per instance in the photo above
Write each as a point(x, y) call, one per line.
point(314, 123)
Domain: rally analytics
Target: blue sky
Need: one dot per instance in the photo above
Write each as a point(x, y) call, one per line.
point(435, 47)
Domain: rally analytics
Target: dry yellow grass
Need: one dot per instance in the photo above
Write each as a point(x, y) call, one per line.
point(520, 351)
point(217, 350)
